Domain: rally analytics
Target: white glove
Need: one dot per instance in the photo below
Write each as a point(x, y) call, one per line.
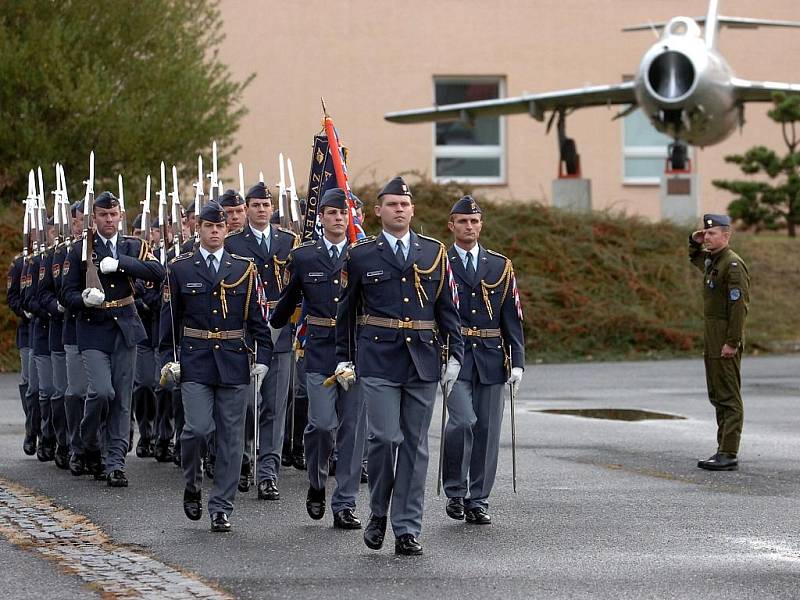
point(170, 375)
point(516, 379)
point(450, 373)
point(28, 315)
point(259, 371)
point(345, 374)
point(60, 307)
point(109, 265)
point(275, 334)
point(92, 297)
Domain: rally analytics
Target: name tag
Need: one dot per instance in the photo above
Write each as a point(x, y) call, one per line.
point(374, 273)
point(316, 274)
point(194, 285)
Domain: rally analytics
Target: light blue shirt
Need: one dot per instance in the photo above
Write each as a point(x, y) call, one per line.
point(218, 255)
point(462, 254)
point(259, 234)
point(406, 239)
point(329, 245)
point(113, 241)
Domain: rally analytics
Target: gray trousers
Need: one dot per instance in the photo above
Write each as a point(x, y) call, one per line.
point(58, 360)
point(272, 415)
point(144, 384)
point(335, 417)
point(110, 382)
point(472, 441)
point(30, 400)
point(213, 409)
point(44, 371)
point(399, 415)
point(75, 396)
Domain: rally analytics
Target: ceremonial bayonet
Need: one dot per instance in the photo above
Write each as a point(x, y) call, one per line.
point(513, 425)
point(446, 350)
point(283, 211)
point(41, 214)
point(241, 180)
point(122, 226)
point(92, 277)
point(177, 221)
point(214, 193)
point(198, 198)
point(146, 212)
point(162, 213)
point(294, 201)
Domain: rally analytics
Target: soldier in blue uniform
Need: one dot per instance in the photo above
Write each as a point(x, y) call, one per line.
point(108, 329)
point(269, 246)
point(491, 321)
point(211, 307)
point(396, 311)
point(335, 415)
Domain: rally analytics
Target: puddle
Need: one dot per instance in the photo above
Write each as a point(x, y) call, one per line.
point(614, 414)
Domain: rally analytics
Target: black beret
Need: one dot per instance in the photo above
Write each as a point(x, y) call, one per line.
point(716, 221)
point(213, 213)
point(259, 191)
point(230, 198)
point(137, 222)
point(154, 223)
point(77, 207)
point(189, 210)
point(334, 197)
point(396, 187)
point(466, 206)
point(106, 200)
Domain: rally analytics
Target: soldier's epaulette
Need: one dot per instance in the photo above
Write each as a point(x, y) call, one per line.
point(183, 256)
point(362, 241)
point(247, 258)
point(497, 254)
point(289, 231)
point(306, 244)
point(234, 232)
point(426, 237)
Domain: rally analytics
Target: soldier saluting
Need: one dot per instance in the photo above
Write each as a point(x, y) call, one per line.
point(396, 310)
point(491, 322)
point(211, 308)
point(726, 295)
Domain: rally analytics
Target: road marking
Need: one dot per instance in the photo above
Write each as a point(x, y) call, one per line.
point(78, 546)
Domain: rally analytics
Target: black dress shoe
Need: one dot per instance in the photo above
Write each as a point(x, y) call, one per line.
point(29, 445)
point(407, 545)
point(176, 456)
point(244, 478)
point(62, 457)
point(220, 522)
point(720, 462)
point(478, 516)
point(162, 452)
point(299, 462)
point(315, 503)
point(286, 459)
point(209, 466)
point(364, 474)
point(93, 464)
point(268, 490)
point(143, 448)
point(193, 504)
point(117, 478)
point(374, 532)
point(76, 464)
point(455, 508)
point(346, 519)
point(46, 450)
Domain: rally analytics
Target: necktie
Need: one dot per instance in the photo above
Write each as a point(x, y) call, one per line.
point(470, 267)
point(264, 243)
point(212, 264)
point(334, 253)
point(398, 252)
point(110, 247)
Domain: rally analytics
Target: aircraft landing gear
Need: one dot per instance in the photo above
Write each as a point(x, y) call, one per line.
point(569, 161)
point(678, 156)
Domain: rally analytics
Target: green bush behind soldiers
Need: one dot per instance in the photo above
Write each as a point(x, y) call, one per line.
point(726, 295)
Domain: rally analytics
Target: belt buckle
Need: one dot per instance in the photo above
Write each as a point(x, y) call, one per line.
point(112, 303)
point(405, 324)
point(474, 331)
point(215, 335)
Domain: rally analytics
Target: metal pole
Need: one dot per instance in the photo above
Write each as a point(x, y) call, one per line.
point(444, 422)
point(513, 435)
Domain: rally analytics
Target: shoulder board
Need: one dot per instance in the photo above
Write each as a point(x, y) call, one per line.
point(132, 237)
point(306, 244)
point(430, 239)
point(247, 258)
point(289, 231)
point(234, 232)
point(496, 254)
point(183, 256)
point(362, 242)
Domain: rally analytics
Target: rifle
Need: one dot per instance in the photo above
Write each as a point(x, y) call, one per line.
point(122, 226)
point(214, 193)
point(283, 208)
point(162, 214)
point(62, 202)
point(198, 198)
point(177, 208)
point(26, 227)
point(146, 212)
point(294, 201)
point(41, 214)
point(92, 277)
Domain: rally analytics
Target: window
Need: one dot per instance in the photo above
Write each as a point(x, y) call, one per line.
point(644, 151)
point(472, 154)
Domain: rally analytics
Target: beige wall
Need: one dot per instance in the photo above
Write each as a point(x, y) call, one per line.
point(367, 57)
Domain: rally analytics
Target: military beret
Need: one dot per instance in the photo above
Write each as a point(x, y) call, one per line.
point(106, 200)
point(230, 198)
point(77, 207)
point(213, 213)
point(356, 200)
point(716, 221)
point(334, 197)
point(189, 210)
point(466, 206)
point(396, 187)
point(155, 223)
point(137, 222)
point(275, 219)
point(259, 191)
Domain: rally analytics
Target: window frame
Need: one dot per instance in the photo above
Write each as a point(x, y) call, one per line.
point(661, 152)
point(470, 151)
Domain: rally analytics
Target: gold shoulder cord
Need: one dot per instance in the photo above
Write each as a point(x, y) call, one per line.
point(438, 263)
point(505, 278)
point(223, 285)
point(277, 265)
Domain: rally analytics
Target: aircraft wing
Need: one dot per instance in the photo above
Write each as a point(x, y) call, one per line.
point(536, 105)
point(732, 22)
point(761, 91)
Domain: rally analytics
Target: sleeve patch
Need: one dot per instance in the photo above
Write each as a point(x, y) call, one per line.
point(735, 294)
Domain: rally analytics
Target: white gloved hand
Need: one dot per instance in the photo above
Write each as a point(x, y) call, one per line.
point(345, 374)
point(516, 379)
point(92, 297)
point(109, 265)
point(28, 315)
point(259, 371)
point(450, 373)
point(275, 334)
point(170, 375)
point(60, 307)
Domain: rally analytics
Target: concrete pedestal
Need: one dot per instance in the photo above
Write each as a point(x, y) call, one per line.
point(679, 198)
point(573, 194)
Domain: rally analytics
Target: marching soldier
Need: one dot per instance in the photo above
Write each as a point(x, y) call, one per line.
point(235, 210)
point(491, 321)
point(108, 330)
point(396, 310)
point(726, 295)
point(211, 308)
point(269, 247)
point(335, 416)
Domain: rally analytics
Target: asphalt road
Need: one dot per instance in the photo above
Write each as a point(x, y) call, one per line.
point(604, 509)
